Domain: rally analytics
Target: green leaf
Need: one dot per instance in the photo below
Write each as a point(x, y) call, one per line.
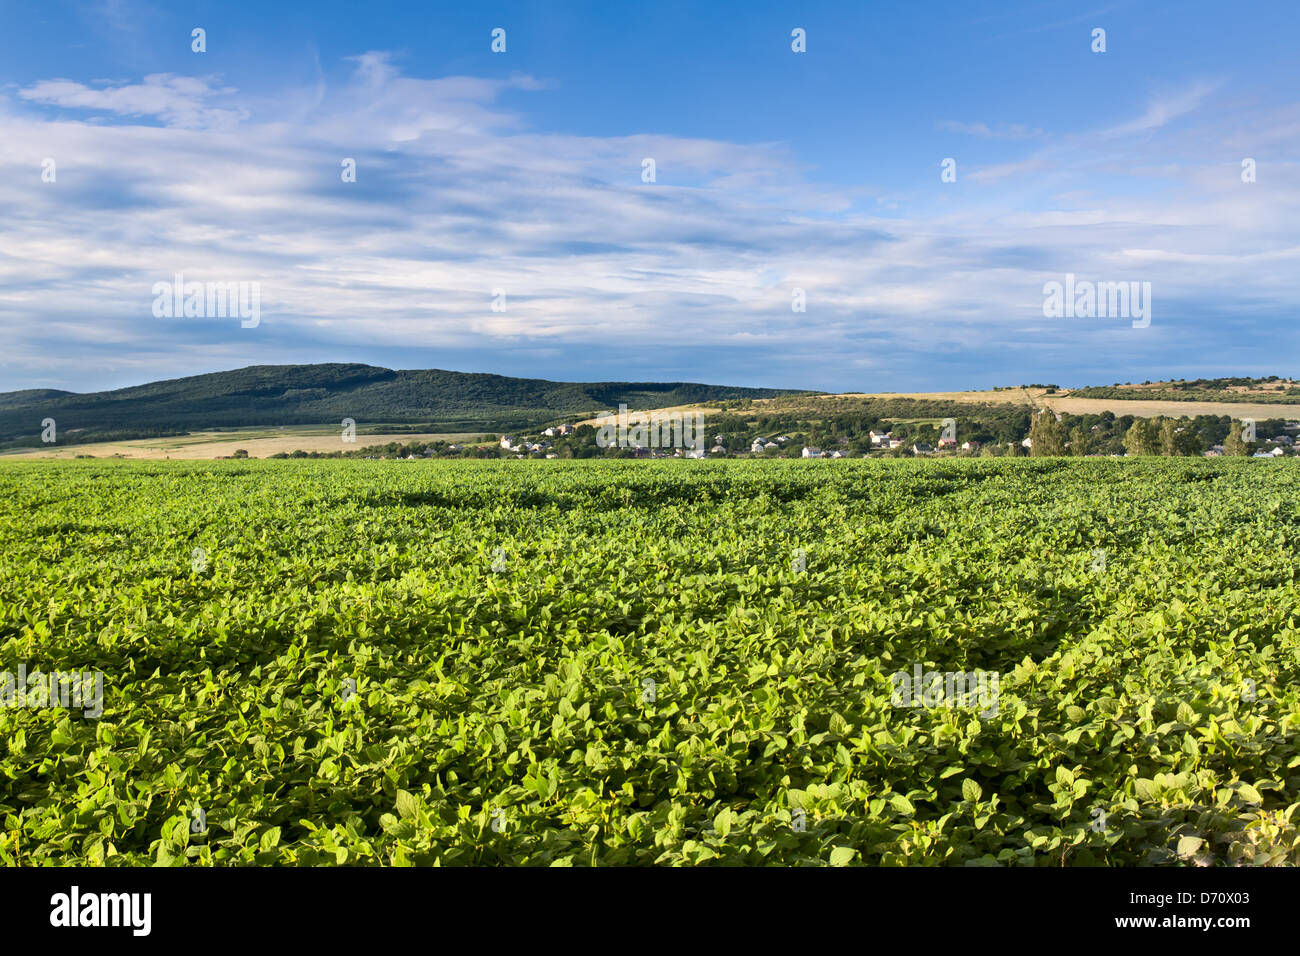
point(1249, 794)
point(271, 838)
point(970, 790)
point(722, 823)
point(408, 807)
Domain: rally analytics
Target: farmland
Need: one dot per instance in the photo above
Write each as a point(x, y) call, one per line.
point(257, 442)
point(634, 663)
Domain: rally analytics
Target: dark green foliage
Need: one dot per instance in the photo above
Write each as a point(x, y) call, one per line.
point(326, 394)
point(499, 621)
point(1270, 390)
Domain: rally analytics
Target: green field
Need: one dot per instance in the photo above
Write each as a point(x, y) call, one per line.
point(609, 663)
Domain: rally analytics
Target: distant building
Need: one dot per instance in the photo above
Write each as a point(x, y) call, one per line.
point(812, 452)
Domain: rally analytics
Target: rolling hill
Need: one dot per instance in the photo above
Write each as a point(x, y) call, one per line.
point(328, 393)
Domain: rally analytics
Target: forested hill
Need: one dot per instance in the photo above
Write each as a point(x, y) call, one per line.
point(326, 394)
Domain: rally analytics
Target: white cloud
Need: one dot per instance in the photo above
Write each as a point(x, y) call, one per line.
point(176, 100)
point(457, 195)
point(1005, 131)
point(1164, 108)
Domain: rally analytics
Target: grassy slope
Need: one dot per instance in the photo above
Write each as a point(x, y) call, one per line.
point(317, 394)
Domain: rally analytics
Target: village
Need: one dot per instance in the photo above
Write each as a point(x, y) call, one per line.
point(571, 440)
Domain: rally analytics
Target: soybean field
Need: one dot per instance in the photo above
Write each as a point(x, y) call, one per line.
point(596, 663)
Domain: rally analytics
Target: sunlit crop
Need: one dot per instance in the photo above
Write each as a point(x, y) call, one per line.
point(577, 663)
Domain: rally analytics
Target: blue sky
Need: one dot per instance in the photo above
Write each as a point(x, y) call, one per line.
point(775, 171)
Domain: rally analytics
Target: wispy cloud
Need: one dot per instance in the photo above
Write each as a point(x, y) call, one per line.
point(458, 195)
point(1005, 131)
point(1003, 170)
point(1164, 108)
point(1055, 24)
point(175, 100)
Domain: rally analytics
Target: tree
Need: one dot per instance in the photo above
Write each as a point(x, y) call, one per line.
point(1179, 440)
point(1235, 442)
point(1142, 438)
point(1046, 436)
point(1081, 443)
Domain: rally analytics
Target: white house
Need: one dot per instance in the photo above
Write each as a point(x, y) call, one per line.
point(811, 452)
